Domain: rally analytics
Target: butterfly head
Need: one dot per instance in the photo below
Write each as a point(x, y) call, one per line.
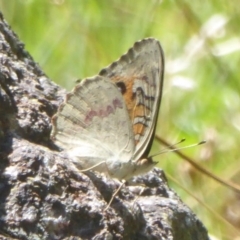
point(126, 170)
point(144, 165)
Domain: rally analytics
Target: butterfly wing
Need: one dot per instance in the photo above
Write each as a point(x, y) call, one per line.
point(93, 124)
point(139, 76)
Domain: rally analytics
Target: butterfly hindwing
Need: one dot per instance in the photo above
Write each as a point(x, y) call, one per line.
point(93, 123)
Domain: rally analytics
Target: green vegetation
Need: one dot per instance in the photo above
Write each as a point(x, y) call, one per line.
point(74, 39)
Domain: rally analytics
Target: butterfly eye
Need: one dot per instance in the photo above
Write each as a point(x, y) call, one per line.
point(121, 87)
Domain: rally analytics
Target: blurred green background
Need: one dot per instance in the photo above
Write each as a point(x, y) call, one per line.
point(74, 39)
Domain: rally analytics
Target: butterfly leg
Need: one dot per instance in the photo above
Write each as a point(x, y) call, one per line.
point(141, 192)
point(92, 167)
point(114, 194)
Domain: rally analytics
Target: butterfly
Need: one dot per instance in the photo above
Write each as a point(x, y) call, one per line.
point(107, 123)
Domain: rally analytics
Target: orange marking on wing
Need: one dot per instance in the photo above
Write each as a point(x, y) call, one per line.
point(139, 127)
point(128, 94)
point(130, 100)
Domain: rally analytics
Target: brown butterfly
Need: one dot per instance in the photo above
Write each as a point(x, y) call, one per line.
point(107, 122)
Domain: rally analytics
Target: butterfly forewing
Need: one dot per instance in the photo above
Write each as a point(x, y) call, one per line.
point(139, 76)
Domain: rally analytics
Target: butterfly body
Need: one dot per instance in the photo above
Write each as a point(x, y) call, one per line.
point(108, 121)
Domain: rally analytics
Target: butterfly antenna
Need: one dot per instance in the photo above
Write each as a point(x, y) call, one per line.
point(173, 149)
point(175, 144)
